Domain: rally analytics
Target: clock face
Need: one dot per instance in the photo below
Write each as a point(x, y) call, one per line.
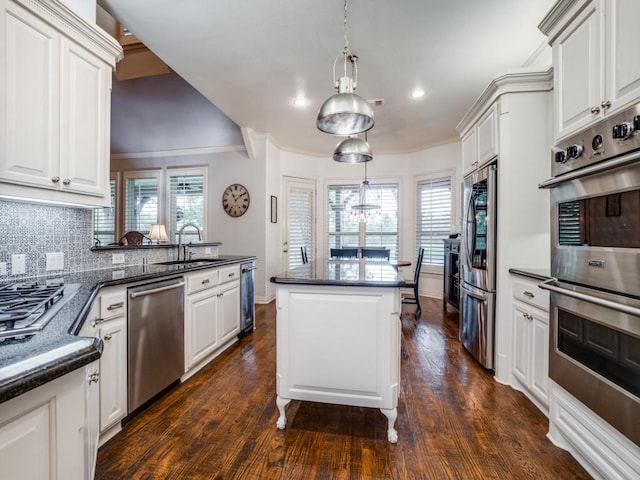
point(235, 200)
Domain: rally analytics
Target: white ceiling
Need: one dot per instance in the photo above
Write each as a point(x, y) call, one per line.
point(251, 58)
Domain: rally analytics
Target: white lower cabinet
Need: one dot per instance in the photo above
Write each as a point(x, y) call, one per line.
point(212, 314)
point(44, 433)
point(531, 342)
point(107, 320)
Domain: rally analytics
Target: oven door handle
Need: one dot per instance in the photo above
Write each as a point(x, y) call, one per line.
point(547, 285)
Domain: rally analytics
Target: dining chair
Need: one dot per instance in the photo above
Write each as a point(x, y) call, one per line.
point(133, 238)
point(344, 253)
point(410, 295)
point(303, 254)
point(376, 253)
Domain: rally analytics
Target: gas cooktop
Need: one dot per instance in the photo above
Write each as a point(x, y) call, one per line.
point(26, 307)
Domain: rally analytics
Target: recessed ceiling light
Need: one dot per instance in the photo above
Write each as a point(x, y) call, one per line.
point(417, 93)
point(300, 102)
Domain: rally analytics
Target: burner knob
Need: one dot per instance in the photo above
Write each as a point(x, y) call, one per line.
point(622, 130)
point(574, 151)
point(560, 157)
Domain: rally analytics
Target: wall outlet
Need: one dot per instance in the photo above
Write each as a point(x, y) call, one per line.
point(117, 274)
point(3, 269)
point(117, 258)
point(18, 264)
point(55, 261)
point(207, 250)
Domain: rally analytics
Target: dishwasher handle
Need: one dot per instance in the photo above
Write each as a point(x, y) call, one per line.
point(248, 269)
point(151, 291)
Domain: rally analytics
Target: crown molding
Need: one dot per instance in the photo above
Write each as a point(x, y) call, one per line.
point(185, 152)
point(560, 14)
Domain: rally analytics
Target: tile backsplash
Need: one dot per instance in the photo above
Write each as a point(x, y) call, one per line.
point(35, 230)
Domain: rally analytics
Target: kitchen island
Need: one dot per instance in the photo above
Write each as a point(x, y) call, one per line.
point(338, 336)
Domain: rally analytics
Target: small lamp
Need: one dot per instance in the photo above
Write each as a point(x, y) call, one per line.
point(158, 233)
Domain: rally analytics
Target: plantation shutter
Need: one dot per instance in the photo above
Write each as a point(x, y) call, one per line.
point(433, 218)
point(186, 205)
point(141, 203)
point(104, 219)
point(300, 223)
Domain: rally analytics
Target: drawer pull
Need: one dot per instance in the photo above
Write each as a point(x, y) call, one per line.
point(231, 275)
point(108, 336)
point(115, 306)
point(97, 321)
point(527, 293)
point(205, 281)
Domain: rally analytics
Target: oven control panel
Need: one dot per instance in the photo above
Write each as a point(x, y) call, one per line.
point(612, 137)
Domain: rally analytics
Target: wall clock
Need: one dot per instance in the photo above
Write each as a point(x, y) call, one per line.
point(235, 200)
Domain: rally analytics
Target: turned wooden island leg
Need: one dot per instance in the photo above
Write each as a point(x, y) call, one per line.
point(282, 419)
point(391, 414)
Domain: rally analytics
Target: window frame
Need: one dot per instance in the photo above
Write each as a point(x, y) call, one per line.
point(184, 171)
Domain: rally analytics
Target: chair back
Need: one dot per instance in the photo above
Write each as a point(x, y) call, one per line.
point(133, 238)
point(376, 253)
point(344, 253)
point(416, 275)
point(303, 254)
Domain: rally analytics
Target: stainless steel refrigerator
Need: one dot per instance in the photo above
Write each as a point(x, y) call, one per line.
point(478, 264)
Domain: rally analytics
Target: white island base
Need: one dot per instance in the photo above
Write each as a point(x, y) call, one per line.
point(339, 345)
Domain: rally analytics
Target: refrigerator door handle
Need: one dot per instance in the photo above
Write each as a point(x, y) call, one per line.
point(478, 296)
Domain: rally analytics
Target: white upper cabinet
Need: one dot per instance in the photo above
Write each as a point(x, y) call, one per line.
point(480, 142)
point(596, 67)
point(55, 87)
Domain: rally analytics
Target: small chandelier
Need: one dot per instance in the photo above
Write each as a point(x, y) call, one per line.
point(353, 150)
point(345, 113)
point(365, 211)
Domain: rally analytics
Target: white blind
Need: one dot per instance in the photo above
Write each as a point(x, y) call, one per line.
point(345, 230)
point(141, 204)
point(104, 219)
point(300, 219)
point(433, 218)
point(186, 205)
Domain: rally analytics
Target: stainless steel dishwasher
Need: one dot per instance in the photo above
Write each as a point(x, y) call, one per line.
point(155, 339)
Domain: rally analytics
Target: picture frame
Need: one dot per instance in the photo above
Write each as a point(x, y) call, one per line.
point(274, 209)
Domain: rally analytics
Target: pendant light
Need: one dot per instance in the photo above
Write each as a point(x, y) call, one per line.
point(345, 113)
point(353, 150)
point(365, 211)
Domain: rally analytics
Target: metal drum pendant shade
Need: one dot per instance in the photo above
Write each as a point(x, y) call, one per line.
point(353, 150)
point(345, 114)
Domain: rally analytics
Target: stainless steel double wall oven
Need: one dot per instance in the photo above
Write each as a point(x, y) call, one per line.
point(595, 295)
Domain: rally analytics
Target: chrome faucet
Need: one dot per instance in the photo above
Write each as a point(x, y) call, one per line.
point(185, 248)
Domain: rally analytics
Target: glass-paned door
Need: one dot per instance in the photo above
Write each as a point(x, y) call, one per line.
point(300, 220)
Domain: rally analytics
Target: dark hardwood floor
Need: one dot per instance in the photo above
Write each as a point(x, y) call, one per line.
point(454, 422)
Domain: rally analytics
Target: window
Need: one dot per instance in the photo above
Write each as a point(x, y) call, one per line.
point(186, 200)
point(141, 207)
point(104, 219)
point(433, 217)
point(345, 229)
point(300, 219)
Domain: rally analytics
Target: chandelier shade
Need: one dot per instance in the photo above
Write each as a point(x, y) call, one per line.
point(352, 150)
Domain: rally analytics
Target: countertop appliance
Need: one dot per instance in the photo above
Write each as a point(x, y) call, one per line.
point(594, 350)
point(26, 307)
point(247, 294)
point(155, 338)
point(478, 264)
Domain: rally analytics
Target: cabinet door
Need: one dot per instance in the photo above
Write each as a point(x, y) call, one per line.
point(113, 372)
point(522, 336)
point(229, 311)
point(29, 89)
point(85, 112)
point(202, 326)
point(487, 132)
point(92, 415)
point(622, 59)
point(539, 380)
point(578, 77)
point(469, 151)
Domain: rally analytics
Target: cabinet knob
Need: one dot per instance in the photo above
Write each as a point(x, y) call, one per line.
point(55, 179)
point(605, 104)
point(108, 336)
point(94, 377)
point(595, 110)
point(66, 181)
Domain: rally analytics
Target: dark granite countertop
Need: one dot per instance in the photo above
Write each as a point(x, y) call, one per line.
point(353, 273)
point(56, 350)
point(541, 274)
